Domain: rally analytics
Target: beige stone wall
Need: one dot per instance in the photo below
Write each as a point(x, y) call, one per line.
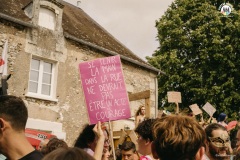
point(138, 80)
point(70, 108)
point(18, 60)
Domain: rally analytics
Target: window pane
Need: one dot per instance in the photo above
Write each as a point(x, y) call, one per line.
point(34, 75)
point(33, 87)
point(46, 89)
point(47, 78)
point(47, 67)
point(41, 77)
point(35, 64)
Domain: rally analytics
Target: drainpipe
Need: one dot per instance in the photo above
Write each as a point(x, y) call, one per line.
point(156, 95)
point(15, 20)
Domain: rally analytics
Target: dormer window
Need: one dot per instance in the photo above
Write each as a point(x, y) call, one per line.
point(47, 18)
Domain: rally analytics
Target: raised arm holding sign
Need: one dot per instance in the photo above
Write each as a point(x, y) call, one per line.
point(174, 97)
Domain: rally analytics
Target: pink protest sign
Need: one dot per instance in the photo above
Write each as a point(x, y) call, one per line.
point(104, 89)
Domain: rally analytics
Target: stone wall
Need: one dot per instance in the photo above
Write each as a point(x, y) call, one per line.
point(70, 108)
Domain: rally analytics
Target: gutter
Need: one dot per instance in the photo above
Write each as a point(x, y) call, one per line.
point(15, 20)
point(156, 95)
point(112, 53)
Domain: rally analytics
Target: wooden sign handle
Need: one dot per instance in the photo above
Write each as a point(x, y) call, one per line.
point(111, 137)
point(177, 108)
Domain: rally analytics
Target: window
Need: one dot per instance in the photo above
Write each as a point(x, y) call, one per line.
point(47, 18)
point(41, 81)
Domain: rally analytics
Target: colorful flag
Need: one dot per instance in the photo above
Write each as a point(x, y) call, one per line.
point(3, 60)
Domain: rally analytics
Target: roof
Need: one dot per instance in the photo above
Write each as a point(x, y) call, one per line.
point(13, 8)
point(78, 24)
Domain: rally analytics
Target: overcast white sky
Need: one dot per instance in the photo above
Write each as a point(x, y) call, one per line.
point(132, 22)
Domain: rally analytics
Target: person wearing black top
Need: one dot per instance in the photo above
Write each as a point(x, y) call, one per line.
point(13, 142)
point(36, 155)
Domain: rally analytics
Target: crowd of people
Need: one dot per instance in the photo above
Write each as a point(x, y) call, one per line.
point(170, 137)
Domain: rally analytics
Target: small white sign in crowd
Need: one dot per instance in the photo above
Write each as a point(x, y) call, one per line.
point(175, 97)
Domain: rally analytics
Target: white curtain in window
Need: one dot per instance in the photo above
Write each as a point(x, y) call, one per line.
point(40, 81)
point(47, 18)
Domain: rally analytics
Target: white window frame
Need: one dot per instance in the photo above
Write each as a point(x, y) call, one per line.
point(39, 95)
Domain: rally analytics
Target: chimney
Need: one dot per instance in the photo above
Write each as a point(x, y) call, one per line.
point(78, 3)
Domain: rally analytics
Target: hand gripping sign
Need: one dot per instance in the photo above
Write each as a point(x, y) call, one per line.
point(104, 89)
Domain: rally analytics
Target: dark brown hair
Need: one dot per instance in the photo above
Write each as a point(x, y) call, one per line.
point(86, 137)
point(128, 145)
point(144, 129)
point(14, 110)
point(68, 154)
point(211, 127)
point(53, 144)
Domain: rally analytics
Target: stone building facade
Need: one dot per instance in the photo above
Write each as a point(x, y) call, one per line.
point(50, 38)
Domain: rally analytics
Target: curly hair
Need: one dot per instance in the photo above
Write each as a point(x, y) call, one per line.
point(177, 137)
point(144, 129)
point(53, 144)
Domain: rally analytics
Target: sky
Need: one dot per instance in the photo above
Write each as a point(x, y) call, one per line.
point(132, 22)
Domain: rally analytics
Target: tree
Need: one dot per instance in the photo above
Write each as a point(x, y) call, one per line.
point(200, 54)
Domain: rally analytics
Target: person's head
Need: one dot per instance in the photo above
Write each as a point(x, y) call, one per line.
point(13, 113)
point(13, 119)
point(145, 136)
point(178, 137)
point(88, 139)
point(140, 111)
point(68, 154)
point(218, 141)
point(106, 153)
point(222, 117)
point(53, 144)
point(43, 145)
point(128, 149)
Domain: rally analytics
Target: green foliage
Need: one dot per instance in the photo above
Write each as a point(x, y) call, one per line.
point(200, 54)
